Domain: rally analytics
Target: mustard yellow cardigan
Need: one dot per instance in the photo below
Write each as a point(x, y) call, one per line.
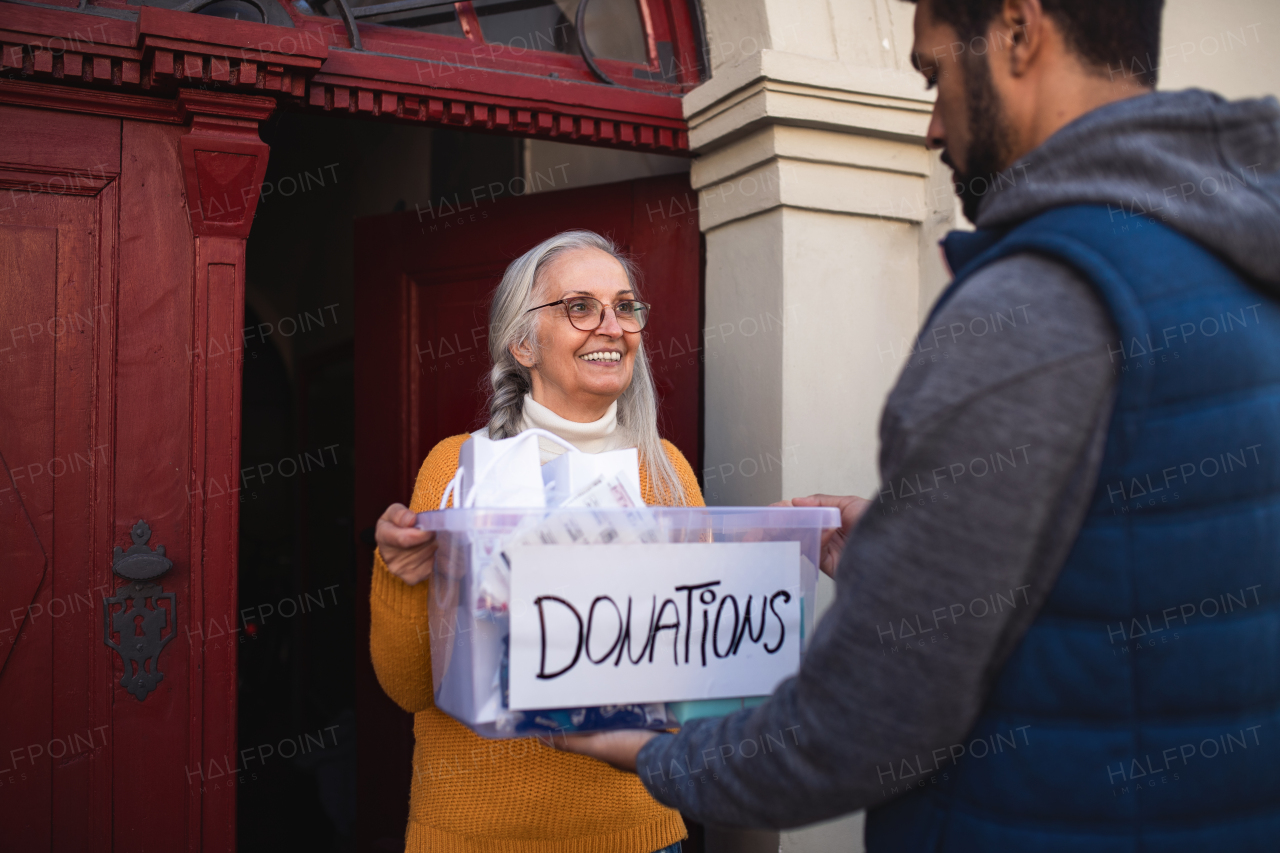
point(473, 795)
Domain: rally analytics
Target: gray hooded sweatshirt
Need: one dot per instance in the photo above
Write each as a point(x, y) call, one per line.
point(990, 447)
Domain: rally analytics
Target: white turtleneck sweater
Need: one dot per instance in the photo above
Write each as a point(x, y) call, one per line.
point(594, 437)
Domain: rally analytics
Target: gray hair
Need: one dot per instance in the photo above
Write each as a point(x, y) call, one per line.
point(511, 324)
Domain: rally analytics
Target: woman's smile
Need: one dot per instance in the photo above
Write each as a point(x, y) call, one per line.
point(602, 358)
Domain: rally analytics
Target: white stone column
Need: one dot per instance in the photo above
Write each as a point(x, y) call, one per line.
point(822, 210)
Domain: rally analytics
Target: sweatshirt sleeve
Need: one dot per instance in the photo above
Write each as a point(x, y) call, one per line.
point(990, 445)
point(399, 637)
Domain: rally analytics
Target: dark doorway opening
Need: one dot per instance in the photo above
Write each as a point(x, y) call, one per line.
point(303, 616)
point(298, 603)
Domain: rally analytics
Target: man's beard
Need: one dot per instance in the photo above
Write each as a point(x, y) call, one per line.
point(988, 138)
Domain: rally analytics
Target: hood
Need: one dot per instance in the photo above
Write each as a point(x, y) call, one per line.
point(1207, 167)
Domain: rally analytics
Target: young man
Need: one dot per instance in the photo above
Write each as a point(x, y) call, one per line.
point(1057, 627)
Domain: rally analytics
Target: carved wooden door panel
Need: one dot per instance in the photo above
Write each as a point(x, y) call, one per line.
point(58, 313)
point(54, 318)
point(117, 714)
point(423, 285)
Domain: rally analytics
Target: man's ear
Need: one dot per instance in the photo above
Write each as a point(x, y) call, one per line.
point(523, 354)
point(1019, 31)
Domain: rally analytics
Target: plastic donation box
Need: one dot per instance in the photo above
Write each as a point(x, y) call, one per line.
point(579, 619)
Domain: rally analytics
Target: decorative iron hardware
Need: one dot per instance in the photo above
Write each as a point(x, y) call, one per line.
point(197, 5)
point(349, 21)
point(141, 628)
point(580, 25)
point(350, 16)
point(140, 563)
point(398, 6)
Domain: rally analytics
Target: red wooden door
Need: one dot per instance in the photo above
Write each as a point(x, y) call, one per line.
point(57, 315)
point(113, 410)
point(423, 284)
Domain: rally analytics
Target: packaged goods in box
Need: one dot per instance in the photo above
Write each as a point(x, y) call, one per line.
point(584, 618)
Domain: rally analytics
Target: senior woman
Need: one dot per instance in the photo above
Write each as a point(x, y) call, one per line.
point(568, 357)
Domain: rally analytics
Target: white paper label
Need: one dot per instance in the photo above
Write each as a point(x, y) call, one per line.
point(625, 624)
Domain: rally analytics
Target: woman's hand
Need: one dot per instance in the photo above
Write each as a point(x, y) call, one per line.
point(833, 541)
point(619, 747)
point(409, 553)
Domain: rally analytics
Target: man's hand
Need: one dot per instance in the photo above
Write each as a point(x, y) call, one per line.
point(833, 541)
point(618, 748)
point(409, 553)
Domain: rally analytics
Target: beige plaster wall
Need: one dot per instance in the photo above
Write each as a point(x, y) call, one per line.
point(1227, 46)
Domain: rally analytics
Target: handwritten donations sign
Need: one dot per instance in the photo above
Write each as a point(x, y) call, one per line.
point(624, 624)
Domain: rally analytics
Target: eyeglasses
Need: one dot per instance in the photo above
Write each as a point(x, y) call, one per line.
point(586, 313)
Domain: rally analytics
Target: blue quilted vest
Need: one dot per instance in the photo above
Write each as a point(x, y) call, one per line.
point(1141, 711)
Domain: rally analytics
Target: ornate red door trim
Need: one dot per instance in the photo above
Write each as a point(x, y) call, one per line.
point(224, 163)
point(223, 160)
point(402, 75)
point(44, 96)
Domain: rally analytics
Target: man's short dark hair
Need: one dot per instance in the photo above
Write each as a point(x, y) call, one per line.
point(1119, 37)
